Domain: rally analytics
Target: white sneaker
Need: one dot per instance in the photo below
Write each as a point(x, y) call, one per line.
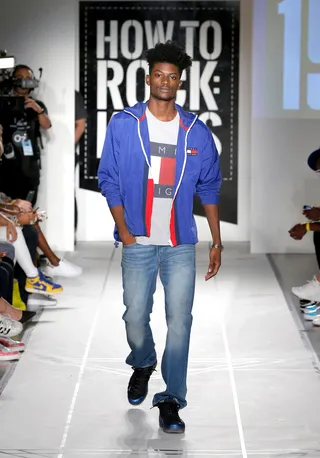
point(8, 355)
point(312, 314)
point(37, 300)
point(9, 328)
point(13, 345)
point(310, 290)
point(64, 269)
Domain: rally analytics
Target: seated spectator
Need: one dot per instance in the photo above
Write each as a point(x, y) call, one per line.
point(6, 282)
point(1, 142)
point(311, 290)
point(56, 266)
point(36, 282)
point(9, 349)
point(80, 127)
point(20, 171)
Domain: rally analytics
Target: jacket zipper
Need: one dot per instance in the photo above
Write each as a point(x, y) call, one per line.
point(149, 165)
point(183, 167)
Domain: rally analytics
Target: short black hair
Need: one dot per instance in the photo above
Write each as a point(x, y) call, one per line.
point(170, 53)
point(21, 67)
point(313, 159)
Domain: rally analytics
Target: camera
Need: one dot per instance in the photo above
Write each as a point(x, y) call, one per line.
point(6, 62)
point(7, 81)
point(12, 106)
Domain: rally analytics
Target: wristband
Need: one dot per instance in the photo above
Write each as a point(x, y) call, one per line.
point(42, 111)
point(308, 227)
point(217, 246)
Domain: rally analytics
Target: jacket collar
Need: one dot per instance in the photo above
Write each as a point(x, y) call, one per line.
point(139, 110)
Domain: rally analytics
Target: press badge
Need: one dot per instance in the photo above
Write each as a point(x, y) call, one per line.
point(27, 147)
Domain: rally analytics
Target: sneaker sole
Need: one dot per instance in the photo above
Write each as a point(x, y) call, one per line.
point(132, 402)
point(64, 276)
point(171, 431)
point(45, 293)
point(19, 349)
point(138, 403)
point(10, 357)
point(309, 318)
point(42, 303)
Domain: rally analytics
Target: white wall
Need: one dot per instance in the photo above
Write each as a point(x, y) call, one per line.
point(281, 182)
point(43, 34)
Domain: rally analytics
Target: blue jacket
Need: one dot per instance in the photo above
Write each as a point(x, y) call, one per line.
point(124, 169)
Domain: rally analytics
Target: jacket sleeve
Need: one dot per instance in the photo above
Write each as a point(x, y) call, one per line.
point(209, 183)
point(108, 171)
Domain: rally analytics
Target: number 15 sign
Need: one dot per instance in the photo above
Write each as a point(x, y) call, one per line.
point(301, 41)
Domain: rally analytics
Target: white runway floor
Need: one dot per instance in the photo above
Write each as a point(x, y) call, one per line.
point(254, 384)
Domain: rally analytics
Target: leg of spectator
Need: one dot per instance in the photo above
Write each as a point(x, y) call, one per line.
point(316, 241)
point(45, 248)
point(31, 239)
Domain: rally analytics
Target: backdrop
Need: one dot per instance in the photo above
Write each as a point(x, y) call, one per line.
point(113, 37)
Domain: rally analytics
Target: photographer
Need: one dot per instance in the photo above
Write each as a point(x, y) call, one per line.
point(20, 170)
point(1, 142)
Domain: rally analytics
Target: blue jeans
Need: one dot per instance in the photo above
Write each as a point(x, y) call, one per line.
point(177, 268)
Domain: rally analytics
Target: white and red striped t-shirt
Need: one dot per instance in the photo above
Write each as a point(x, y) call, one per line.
point(163, 145)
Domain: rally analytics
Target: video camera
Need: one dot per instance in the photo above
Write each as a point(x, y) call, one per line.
point(7, 81)
point(11, 106)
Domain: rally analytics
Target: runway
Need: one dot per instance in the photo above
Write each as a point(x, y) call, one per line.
point(253, 385)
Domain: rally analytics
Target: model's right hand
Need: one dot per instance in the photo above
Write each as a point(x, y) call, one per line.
point(127, 238)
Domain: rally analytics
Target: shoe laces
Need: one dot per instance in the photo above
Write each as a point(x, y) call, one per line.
point(45, 279)
point(170, 409)
point(5, 323)
point(139, 377)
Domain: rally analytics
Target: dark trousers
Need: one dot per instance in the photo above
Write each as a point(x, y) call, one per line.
point(31, 236)
point(316, 241)
point(15, 184)
point(6, 279)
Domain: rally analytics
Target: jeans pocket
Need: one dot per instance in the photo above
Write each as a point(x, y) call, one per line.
point(131, 245)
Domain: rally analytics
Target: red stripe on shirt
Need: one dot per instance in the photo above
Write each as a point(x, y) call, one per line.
point(167, 171)
point(149, 204)
point(173, 235)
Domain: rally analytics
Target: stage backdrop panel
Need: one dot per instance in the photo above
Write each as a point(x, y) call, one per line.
point(113, 38)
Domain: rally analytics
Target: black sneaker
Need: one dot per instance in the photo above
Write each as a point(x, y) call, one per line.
point(169, 419)
point(138, 384)
point(304, 302)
